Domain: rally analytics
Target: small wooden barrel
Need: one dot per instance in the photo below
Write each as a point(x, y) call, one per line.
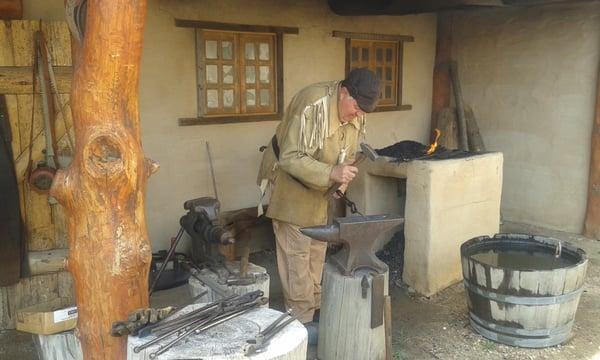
point(345, 325)
point(523, 290)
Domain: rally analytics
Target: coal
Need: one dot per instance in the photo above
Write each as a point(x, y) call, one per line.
point(393, 255)
point(408, 150)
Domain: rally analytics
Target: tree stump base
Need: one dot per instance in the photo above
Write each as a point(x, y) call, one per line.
point(345, 323)
point(63, 346)
point(262, 283)
point(227, 340)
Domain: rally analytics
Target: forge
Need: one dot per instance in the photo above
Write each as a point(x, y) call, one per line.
point(446, 198)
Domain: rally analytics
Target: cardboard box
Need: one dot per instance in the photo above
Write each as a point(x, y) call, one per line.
point(47, 318)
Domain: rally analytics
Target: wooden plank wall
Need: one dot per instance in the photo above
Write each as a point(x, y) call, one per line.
point(45, 223)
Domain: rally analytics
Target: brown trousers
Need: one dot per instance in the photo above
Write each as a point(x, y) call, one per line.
point(300, 262)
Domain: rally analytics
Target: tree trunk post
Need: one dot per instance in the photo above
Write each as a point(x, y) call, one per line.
point(592, 218)
point(103, 189)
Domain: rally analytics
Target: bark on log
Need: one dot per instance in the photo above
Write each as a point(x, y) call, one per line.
point(592, 219)
point(104, 187)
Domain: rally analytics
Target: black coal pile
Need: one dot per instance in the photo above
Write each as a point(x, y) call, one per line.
point(408, 150)
point(393, 255)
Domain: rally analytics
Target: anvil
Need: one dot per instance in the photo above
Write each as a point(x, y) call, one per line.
point(358, 235)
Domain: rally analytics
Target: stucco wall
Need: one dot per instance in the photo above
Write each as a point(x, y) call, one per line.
point(168, 92)
point(530, 75)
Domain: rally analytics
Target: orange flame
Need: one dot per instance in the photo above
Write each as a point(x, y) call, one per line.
point(434, 145)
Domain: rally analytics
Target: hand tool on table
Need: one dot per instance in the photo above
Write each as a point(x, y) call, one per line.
point(204, 315)
point(260, 342)
point(213, 321)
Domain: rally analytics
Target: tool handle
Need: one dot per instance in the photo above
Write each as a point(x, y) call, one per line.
point(360, 157)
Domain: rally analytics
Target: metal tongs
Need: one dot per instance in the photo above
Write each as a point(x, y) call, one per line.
point(260, 342)
point(349, 203)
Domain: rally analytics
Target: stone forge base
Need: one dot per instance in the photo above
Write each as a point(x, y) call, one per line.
point(447, 203)
point(226, 341)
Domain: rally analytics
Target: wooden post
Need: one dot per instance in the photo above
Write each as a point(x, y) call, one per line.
point(441, 76)
point(104, 187)
point(592, 218)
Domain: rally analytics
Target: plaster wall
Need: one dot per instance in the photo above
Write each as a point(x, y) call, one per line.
point(168, 92)
point(530, 75)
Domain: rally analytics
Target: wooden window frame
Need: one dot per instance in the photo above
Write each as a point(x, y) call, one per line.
point(374, 38)
point(278, 33)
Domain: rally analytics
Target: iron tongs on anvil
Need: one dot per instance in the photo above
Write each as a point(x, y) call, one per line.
point(358, 237)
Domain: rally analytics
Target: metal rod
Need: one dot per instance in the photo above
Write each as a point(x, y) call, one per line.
point(212, 170)
point(200, 328)
point(164, 264)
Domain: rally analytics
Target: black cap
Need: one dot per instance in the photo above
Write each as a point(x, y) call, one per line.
point(363, 85)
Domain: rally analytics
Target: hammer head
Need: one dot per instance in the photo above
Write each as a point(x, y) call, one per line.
point(369, 151)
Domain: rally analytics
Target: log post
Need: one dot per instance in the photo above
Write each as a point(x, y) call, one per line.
point(592, 218)
point(104, 187)
point(441, 76)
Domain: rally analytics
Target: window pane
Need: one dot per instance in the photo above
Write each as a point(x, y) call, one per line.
point(212, 76)
point(354, 54)
point(379, 55)
point(211, 49)
point(264, 97)
point(388, 91)
point(388, 55)
point(388, 74)
point(365, 54)
point(227, 50)
point(264, 74)
point(250, 75)
point(251, 97)
point(212, 98)
point(379, 73)
point(228, 98)
point(263, 51)
point(227, 74)
point(250, 51)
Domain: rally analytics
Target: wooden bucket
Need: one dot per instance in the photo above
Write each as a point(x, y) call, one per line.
point(526, 299)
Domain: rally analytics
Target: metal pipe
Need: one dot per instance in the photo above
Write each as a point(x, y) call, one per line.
point(169, 256)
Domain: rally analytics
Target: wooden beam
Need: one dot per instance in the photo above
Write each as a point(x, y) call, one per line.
point(441, 74)
point(592, 218)
point(16, 80)
point(103, 189)
point(369, 36)
point(44, 262)
point(11, 9)
point(209, 25)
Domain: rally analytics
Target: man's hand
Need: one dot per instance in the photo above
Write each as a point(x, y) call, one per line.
point(343, 174)
point(343, 189)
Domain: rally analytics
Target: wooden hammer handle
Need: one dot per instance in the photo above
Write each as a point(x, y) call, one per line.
point(360, 157)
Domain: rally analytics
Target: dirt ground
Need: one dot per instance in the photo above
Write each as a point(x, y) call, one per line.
point(425, 328)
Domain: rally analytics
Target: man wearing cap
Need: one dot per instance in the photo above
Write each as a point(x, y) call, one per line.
point(312, 148)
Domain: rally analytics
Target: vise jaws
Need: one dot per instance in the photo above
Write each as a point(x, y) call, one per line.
point(358, 236)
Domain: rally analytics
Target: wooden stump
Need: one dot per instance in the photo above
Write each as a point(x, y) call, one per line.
point(262, 283)
point(226, 341)
point(345, 324)
point(61, 346)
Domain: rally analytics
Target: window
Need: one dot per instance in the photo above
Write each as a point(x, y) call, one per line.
point(239, 72)
point(383, 55)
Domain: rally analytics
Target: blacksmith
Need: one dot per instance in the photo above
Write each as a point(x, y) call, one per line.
point(311, 150)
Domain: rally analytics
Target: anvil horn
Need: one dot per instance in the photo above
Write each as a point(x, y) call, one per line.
point(327, 233)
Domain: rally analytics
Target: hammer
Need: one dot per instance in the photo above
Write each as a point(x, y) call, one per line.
point(366, 152)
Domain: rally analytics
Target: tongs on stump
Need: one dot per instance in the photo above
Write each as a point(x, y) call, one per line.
point(261, 341)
